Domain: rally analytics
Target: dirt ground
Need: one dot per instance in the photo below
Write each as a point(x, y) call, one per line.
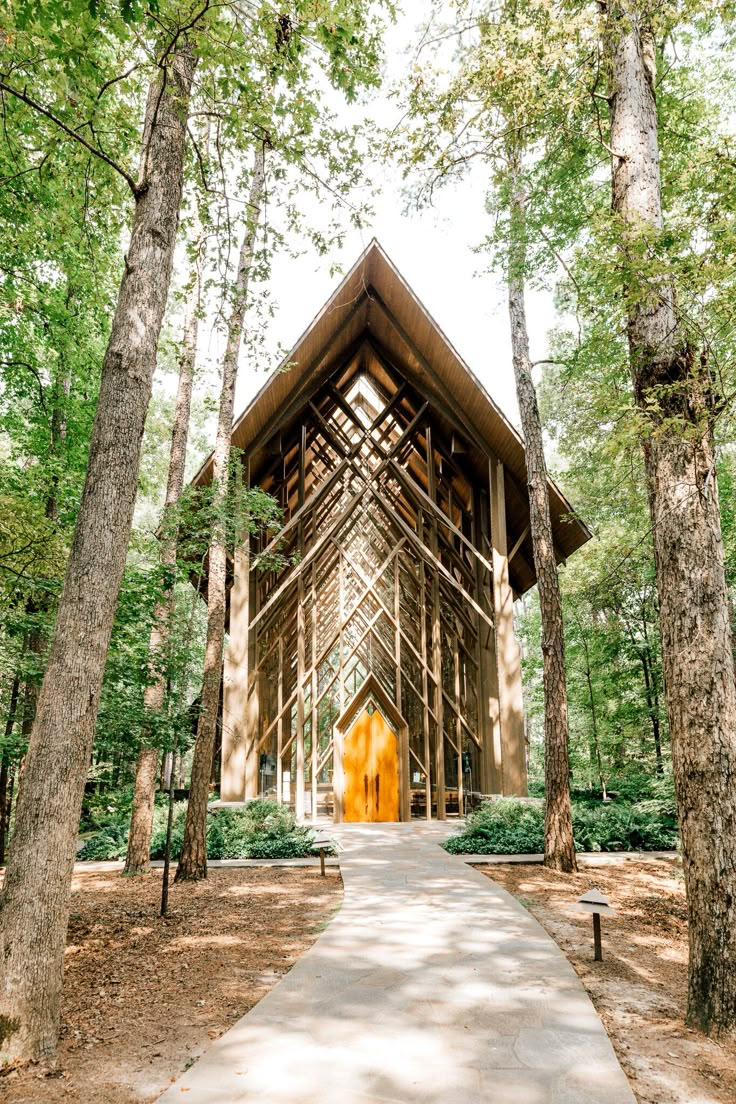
point(143, 997)
point(639, 989)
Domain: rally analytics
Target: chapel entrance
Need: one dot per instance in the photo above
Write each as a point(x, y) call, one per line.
point(371, 769)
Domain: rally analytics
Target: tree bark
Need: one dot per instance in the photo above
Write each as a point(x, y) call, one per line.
point(674, 393)
point(193, 860)
point(144, 795)
point(559, 846)
point(35, 900)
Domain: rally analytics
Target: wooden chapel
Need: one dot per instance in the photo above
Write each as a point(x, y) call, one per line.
point(377, 676)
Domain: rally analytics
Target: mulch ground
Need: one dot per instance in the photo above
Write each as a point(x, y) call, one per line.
point(640, 988)
point(143, 997)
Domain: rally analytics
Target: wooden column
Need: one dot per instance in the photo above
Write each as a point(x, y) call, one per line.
point(458, 726)
point(239, 762)
point(425, 677)
point(491, 780)
point(508, 656)
point(439, 751)
point(301, 645)
point(397, 632)
point(315, 741)
point(341, 671)
point(280, 726)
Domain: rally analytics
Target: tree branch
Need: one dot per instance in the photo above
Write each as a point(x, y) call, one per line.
point(24, 98)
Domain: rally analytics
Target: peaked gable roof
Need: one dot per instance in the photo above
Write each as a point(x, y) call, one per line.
point(374, 300)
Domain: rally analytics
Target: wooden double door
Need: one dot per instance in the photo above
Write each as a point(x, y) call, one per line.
point(371, 769)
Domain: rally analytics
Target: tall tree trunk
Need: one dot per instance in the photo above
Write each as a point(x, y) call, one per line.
point(5, 773)
point(35, 899)
point(673, 390)
point(193, 860)
point(141, 821)
point(559, 846)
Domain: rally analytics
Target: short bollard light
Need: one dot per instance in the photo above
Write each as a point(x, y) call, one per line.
point(596, 902)
point(321, 843)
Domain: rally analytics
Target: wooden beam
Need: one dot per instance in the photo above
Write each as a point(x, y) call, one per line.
point(296, 572)
point(313, 695)
point(518, 544)
point(425, 682)
point(235, 682)
point(313, 380)
point(301, 646)
point(433, 559)
point(439, 751)
point(460, 417)
point(507, 650)
point(438, 513)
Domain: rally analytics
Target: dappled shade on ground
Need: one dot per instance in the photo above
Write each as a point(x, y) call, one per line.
point(143, 997)
point(639, 989)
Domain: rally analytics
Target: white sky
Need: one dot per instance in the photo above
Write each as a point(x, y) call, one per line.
point(433, 251)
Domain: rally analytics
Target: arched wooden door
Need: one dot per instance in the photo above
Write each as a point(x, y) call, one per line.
point(370, 769)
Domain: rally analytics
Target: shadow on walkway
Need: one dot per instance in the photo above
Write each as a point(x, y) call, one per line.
point(431, 986)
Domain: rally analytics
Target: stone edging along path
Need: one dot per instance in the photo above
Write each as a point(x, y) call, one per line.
point(431, 986)
point(590, 858)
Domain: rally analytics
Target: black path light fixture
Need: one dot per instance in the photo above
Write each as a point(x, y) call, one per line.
point(597, 903)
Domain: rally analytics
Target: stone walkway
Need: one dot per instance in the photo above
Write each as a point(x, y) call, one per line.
point(430, 986)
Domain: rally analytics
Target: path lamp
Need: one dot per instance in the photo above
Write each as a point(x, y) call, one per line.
point(596, 902)
point(321, 843)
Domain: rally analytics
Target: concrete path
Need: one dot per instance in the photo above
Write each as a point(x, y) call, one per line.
point(430, 986)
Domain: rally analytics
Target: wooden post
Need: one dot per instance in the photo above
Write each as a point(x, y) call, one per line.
point(397, 632)
point(236, 720)
point(508, 657)
point(491, 780)
point(458, 727)
point(315, 741)
point(598, 950)
point(439, 751)
point(280, 725)
point(301, 645)
point(425, 679)
point(341, 675)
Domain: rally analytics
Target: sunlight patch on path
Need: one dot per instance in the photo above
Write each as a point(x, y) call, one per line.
point(431, 986)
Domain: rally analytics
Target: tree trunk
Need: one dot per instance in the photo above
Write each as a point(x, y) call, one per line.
point(35, 900)
point(673, 391)
point(5, 767)
point(193, 860)
point(559, 846)
point(141, 820)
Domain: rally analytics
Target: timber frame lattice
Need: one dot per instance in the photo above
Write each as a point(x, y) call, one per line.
point(393, 577)
point(406, 537)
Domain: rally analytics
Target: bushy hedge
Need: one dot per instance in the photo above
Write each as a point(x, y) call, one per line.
point(510, 827)
point(260, 830)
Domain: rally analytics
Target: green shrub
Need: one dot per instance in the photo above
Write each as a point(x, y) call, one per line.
point(109, 808)
point(260, 830)
point(110, 842)
point(504, 827)
point(511, 827)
